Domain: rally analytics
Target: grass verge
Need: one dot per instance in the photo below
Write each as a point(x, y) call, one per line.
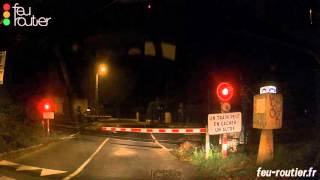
point(242, 165)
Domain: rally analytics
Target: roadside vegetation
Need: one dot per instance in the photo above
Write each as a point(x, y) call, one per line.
point(242, 164)
point(17, 131)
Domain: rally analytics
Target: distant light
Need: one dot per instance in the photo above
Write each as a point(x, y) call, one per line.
point(268, 89)
point(134, 51)
point(88, 110)
point(149, 6)
point(6, 6)
point(310, 16)
point(6, 22)
point(75, 47)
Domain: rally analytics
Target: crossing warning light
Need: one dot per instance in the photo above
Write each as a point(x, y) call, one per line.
point(47, 105)
point(225, 91)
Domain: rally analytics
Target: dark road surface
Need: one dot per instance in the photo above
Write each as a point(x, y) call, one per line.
point(112, 156)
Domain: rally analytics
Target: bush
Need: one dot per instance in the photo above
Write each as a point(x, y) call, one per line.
point(15, 135)
point(15, 131)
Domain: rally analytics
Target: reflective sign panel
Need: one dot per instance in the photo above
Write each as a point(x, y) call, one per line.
point(221, 123)
point(268, 89)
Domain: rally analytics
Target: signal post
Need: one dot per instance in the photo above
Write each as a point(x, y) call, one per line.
point(224, 122)
point(225, 93)
point(47, 107)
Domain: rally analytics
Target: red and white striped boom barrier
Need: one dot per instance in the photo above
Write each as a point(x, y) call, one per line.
point(156, 130)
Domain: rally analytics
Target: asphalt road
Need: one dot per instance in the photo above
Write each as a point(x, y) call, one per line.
point(113, 156)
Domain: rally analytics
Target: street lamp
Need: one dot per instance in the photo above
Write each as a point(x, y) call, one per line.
point(102, 70)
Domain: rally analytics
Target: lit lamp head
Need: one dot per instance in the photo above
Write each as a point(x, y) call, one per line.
point(47, 106)
point(225, 91)
point(102, 69)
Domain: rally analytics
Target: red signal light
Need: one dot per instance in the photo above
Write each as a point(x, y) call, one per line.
point(225, 91)
point(46, 105)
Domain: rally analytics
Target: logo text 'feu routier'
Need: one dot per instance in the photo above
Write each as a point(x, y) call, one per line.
point(22, 17)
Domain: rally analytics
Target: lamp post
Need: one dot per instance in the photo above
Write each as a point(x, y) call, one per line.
point(102, 70)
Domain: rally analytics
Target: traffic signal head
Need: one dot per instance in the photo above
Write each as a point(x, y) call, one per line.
point(225, 91)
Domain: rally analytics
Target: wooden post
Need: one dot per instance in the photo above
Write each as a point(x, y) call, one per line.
point(265, 152)
point(267, 115)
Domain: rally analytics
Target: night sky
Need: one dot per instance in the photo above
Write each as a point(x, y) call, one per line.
point(246, 42)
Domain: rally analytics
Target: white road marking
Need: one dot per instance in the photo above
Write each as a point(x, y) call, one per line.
point(20, 167)
point(86, 162)
point(47, 172)
point(6, 178)
point(8, 163)
point(70, 136)
point(157, 142)
point(27, 168)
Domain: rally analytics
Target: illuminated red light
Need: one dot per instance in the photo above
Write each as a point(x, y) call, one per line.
point(47, 105)
point(6, 6)
point(224, 91)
